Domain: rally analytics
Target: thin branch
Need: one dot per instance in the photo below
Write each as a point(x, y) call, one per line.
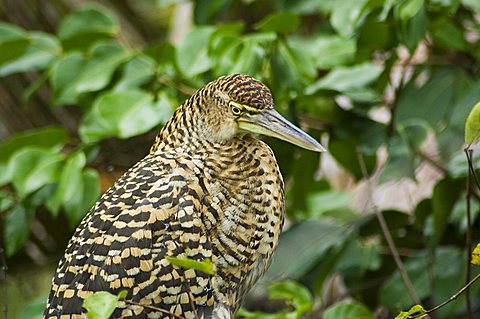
point(468, 153)
point(386, 233)
point(452, 298)
point(153, 308)
point(185, 89)
point(431, 161)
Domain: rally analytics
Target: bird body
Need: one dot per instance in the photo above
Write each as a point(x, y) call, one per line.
point(206, 190)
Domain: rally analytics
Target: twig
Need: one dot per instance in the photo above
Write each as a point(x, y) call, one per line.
point(431, 161)
point(386, 233)
point(468, 153)
point(452, 298)
point(185, 89)
point(153, 308)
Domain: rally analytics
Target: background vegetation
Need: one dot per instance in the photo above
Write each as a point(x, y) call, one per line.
point(386, 85)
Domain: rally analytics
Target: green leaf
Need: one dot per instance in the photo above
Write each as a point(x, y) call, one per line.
point(290, 290)
point(125, 114)
point(70, 183)
point(34, 308)
point(13, 42)
point(448, 35)
point(192, 54)
point(47, 137)
point(414, 311)
point(345, 79)
point(75, 74)
point(430, 102)
point(17, 228)
point(474, 5)
point(63, 74)
point(308, 241)
point(347, 15)
point(401, 161)
point(335, 50)
point(33, 167)
point(445, 268)
point(41, 51)
point(472, 126)
point(413, 30)
point(281, 22)
point(85, 197)
point(445, 194)
point(204, 266)
point(345, 153)
point(348, 310)
point(86, 25)
point(136, 72)
point(413, 132)
point(101, 305)
point(325, 201)
point(292, 67)
point(6, 201)
point(408, 9)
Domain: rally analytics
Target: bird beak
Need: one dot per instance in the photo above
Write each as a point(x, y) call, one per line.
point(271, 123)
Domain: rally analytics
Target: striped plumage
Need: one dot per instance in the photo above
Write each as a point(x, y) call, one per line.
point(207, 189)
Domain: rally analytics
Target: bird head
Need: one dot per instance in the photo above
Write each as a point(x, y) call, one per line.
point(243, 105)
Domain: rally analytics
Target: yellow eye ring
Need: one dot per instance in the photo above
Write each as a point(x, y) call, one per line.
point(236, 110)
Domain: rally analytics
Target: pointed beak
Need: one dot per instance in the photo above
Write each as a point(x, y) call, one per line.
point(271, 123)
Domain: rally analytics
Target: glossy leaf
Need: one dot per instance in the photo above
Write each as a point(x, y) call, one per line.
point(414, 311)
point(445, 195)
point(346, 79)
point(70, 182)
point(17, 228)
point(472, 126)
point(279, 22)
point(32, 168)
point(88, 24)
point(308, 241)
point(346, 16)
point(322, 202)
point(125, 114)
point(41, 51)
point(192, 54)
point(47, 137)
point(408, 9)
point(75, 74)
point(348, 310)
point(204, 266)
point(475, 259)
point(136, 72)
point(327, 51)
point(13, 42)
point(101, 305)
point(88, 192)
point(290, 290)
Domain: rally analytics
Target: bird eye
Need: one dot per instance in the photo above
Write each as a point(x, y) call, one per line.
point(236, 110)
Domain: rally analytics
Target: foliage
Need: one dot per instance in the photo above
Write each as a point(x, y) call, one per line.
point(369, 77)
point(102, 304)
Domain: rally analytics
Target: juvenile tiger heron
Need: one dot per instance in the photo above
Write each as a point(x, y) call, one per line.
point(207, 189)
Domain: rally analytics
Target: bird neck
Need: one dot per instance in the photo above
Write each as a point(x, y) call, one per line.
point(185, 129)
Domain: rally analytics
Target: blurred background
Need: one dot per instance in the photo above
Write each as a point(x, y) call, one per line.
point(385, 85)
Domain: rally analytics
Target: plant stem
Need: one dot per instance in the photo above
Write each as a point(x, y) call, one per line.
point(452, 298)
point(154, 308)
point(468, 153)
point(387, 235)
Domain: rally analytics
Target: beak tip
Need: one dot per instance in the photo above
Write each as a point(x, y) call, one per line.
point(319, 148)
